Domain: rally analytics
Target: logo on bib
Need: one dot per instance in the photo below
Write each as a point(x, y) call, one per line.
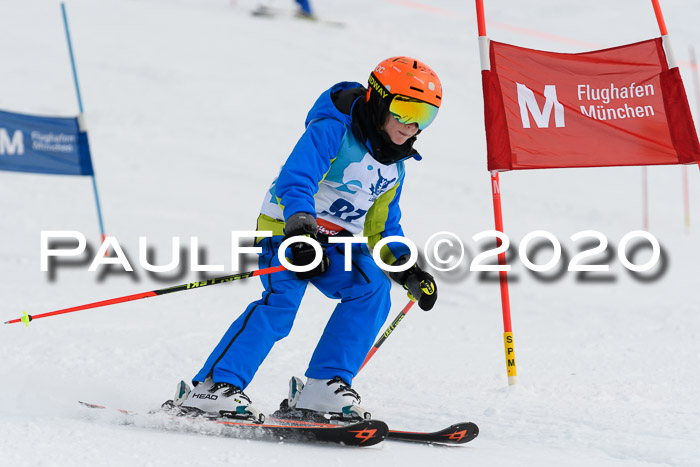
point(376, 189)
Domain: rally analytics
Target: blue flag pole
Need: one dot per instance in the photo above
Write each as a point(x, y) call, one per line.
point(80, 118)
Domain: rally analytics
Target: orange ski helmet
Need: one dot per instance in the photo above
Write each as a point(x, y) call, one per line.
point(409, 89)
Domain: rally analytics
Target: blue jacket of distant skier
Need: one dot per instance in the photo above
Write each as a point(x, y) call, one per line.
point(332, 174)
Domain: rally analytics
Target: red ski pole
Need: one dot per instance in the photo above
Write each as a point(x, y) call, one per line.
point(387, 332)
point(153, 293)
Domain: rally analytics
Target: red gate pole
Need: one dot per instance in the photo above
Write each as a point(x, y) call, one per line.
point(659, 17)
point(503, 279)
point(696, 86)
point(664, 36)
point(497, 211)
point(669, 53)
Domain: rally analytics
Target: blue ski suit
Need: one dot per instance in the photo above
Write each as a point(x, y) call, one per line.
point(332, 174)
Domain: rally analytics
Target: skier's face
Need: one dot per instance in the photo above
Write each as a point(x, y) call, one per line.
point(399, 132)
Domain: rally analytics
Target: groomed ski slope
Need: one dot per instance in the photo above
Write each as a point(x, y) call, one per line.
point(193, 105)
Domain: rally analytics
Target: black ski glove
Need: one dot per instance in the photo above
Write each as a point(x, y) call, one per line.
point(304, 224)
point(420, 285)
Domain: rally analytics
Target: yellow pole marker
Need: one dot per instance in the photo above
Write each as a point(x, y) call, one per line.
point(510, 358)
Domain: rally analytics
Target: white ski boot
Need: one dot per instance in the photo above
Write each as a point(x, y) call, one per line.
point(216, 400)
point(333, 399)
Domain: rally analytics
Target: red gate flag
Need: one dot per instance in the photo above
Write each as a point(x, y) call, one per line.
point(612, 107)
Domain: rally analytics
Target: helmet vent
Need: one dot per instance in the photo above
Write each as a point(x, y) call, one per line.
point(416, 89)
point(415, 64)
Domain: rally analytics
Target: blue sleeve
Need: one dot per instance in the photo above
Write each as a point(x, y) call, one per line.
point(307, 165)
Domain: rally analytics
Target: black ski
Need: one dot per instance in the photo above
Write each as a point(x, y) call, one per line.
point(364, 433)
point(459, 433)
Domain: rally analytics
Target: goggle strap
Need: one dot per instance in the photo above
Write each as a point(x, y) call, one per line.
point(377, 86)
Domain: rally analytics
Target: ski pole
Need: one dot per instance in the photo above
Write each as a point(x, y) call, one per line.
point(387, 332)
point(153, 293)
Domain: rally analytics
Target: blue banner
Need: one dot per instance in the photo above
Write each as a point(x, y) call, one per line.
point(49, 145)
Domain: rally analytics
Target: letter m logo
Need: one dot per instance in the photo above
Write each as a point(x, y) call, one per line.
point(527, 103)
point(12, 146)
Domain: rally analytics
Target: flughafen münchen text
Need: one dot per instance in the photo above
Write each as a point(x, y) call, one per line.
point(612, 93)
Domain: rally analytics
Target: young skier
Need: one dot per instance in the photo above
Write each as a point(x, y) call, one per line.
point(268, 8)
point(343, 178)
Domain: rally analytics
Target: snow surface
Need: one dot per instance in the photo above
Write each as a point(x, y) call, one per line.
point(191, 108)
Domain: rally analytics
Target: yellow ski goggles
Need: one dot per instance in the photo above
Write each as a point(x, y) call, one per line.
point(409, 110)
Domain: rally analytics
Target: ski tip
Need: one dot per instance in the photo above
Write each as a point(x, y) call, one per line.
point(460, 433)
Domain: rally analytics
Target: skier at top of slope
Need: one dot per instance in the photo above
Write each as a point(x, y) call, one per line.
point(343, 177)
